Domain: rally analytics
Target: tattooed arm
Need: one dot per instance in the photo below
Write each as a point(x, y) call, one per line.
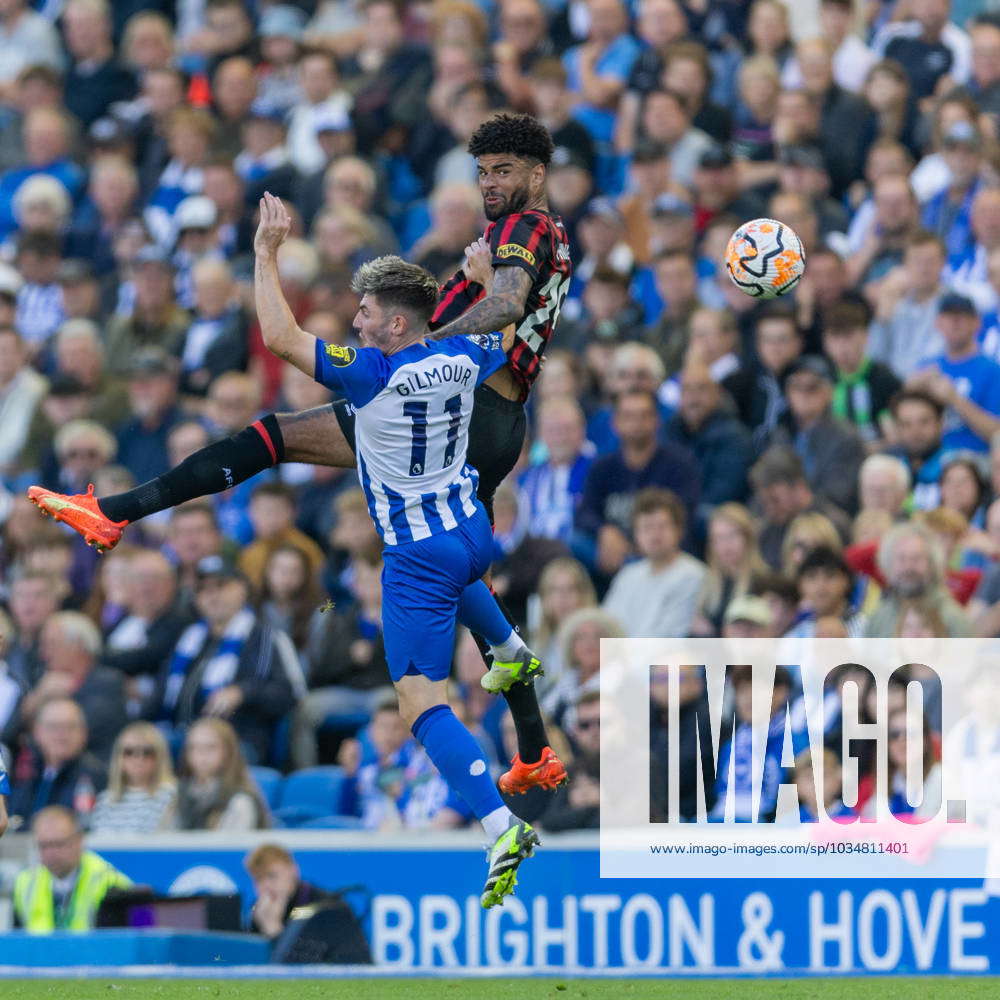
point(281, 333)
point(503, 304)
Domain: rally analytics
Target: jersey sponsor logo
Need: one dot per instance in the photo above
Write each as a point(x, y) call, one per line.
point(516, 250)
point(340, 357)
point(487, 341)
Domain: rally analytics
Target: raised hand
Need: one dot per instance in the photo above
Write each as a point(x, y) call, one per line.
point(274, 226)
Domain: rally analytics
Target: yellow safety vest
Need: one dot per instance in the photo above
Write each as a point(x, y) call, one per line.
point(35, 906)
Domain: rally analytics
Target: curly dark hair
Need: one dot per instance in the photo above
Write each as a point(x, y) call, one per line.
point(520, 135)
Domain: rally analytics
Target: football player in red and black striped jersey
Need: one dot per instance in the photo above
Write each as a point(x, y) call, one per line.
point(528, 281)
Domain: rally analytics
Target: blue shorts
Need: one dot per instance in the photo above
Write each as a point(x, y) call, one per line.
point(421, 586)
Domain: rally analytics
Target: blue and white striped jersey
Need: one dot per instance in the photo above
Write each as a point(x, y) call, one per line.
point(4, 783)
point(412, 428)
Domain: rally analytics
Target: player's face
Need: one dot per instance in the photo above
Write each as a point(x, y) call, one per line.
point(374, 324)
point(507, 183)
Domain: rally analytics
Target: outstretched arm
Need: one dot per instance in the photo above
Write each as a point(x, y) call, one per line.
point(503, 304)
point(479, 267)
point(282, 335)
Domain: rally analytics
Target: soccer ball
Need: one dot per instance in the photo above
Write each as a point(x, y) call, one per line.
point(765, 258)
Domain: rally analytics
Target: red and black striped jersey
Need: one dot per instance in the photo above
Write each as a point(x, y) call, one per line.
point(536, 242)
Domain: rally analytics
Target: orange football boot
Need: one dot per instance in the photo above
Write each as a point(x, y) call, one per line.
point(82, 513)
point(547, 772)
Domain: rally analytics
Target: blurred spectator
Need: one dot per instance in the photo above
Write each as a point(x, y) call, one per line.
point(665, 118)
point(895, 221)
point(631, 367)
point(656, 595)
point(82, 447)
point(397, 786)
point(884, 485)
point(33, 597)
point(193, 533)
point(604, 516)
point(580, 637)
point(40, 308)
point(549, 492)
point(705, 426)
point(694, 753)
point(111, 202)
point(949, 213)
point(734, 566)
point(279, 887)
point(154, 319)
point(782, 492)
point(832, 786)
point(141, 794)
point(229, 664)
point(825, 583)
point(65, 891)
point(962, 378)
point(904, 331)
point(830, 450)
point(928, 46)
point(736, 755)
point(852, 59)
point(95, 78)
point(272, 512)
point(522, 44)
point(456, 211)
point(918, 419)
point(139, 644)
point(749, 617)
point(21, 390)
point(216, 340)
point(577, 806)
point(289, 593)
point(216, 791)
point(912, 563)
point(56, 769)
point(864, 387)
point(345, 661)
point(70, 647)
point(79, 352)
point(26, 39)
point(152, 390)
point(563, 587)
point(901, 733)
point(807, 531)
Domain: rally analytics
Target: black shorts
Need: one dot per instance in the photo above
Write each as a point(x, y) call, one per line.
point(496, 437)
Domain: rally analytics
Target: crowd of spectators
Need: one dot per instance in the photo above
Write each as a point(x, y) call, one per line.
point(698, 463)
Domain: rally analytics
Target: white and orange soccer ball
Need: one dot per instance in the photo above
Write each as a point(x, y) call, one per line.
point(765, 258)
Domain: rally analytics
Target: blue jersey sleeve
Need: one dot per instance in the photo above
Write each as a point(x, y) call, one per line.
point(359, 375)
point(484, 349)
point(4, 783)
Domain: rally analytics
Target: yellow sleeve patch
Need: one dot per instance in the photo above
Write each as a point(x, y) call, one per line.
point(515, 250)
point(341, 357)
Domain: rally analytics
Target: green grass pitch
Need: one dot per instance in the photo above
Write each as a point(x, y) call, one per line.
point(966, 988)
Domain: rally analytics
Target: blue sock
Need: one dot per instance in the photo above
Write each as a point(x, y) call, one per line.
point(461, 761)
point(478, 612)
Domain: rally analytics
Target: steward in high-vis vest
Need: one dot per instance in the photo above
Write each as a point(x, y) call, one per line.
point(64, 892)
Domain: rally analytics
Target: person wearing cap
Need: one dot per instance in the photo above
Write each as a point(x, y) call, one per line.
point(152, 393)
point(831, 450)
point(196, 226)
point(601, 234)
point(904, 331)
point(323, 98)
point(263, 160)
point(748, 617)
point(281, 29)
point(949, 213)
point(21, 390)
point(864, 386)
point(155, 320)
point(962, 378)
point(229, 664)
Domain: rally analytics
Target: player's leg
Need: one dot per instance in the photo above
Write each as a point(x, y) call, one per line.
point(421, 586)
point(317, 436)
point(496, 436)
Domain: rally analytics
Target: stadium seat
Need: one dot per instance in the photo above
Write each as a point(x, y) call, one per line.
point(332, 823)
point(310, 794)
point(346, 722)
point(269, 782)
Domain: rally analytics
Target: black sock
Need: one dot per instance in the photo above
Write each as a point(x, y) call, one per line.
point(213, 469)
point(522, 702)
